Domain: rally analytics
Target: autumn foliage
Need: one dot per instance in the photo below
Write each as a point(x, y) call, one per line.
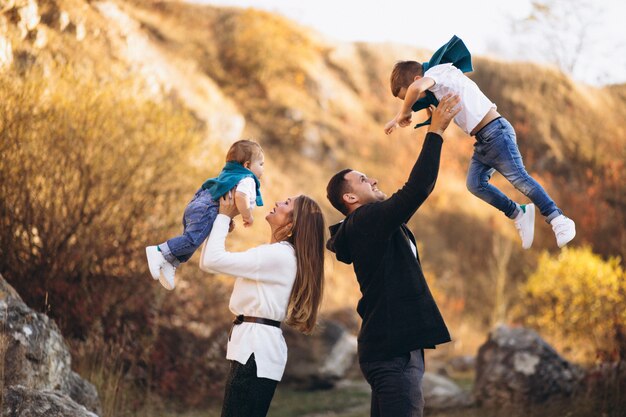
point(579, 298)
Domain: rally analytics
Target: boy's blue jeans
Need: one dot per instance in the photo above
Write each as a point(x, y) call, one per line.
point(197, 224)
point(496, 150)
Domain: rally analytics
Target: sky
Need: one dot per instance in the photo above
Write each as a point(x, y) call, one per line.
point(489, 31)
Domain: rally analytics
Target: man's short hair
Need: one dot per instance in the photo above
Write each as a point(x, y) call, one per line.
point(403, 74)
point(337, 187)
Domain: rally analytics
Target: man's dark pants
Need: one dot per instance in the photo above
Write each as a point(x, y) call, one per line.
point(396, 385)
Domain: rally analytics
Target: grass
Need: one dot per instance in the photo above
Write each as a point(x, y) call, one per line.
point(352, 400)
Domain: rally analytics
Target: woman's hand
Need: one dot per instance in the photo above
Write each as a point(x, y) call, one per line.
point(227, 205)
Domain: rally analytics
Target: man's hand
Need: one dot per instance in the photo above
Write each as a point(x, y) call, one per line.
point(444, 113)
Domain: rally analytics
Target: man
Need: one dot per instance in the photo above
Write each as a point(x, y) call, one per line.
point(400, 316)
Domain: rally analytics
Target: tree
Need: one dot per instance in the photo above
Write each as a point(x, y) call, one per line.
point(566, 34)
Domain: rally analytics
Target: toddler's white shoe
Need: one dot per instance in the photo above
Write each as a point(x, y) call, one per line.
point(564, 229)
point(525, 225)
point(168, 271)
point(156, 260)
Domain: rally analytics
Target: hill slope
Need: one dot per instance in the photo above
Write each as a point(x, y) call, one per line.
point(317, 106)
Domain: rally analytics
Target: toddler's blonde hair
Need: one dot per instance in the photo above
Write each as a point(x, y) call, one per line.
point(243, 150)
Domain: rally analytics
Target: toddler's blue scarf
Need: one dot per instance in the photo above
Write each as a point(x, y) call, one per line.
point(231, 174)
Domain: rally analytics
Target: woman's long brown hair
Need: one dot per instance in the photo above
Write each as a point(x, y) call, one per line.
point(307, 238)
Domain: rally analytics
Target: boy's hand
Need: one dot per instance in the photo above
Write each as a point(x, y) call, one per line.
point(404, 119)
point(401, 120)
point(391, 126)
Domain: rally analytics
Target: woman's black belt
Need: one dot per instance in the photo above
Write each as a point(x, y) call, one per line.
point(250, 319)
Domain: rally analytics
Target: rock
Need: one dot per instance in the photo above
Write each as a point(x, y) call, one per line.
point(441, 392)
point(173, 76)
point(462, 363)
point(321, 360)
point(64, 20)
point(516, 367)
point(81, 31)
point(83, 392)
point(347, 317)
point(29, 17)
point(21, 401)
point(41, 38)
point(36, 355)
point(6, 52)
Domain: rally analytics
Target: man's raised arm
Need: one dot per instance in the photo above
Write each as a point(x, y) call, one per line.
point(384, 217)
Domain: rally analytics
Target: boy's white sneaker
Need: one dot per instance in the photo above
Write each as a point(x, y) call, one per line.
point(564, 229)
point(156, 260)
point(166, 278)
point(525, 225)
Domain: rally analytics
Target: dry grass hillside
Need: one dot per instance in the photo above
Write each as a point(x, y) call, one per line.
point(316, 106)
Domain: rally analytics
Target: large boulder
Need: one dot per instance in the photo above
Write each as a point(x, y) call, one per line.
point(321, 360)
point(36, 356)
point(517, 367)
point(440, 392)
point(21, 401)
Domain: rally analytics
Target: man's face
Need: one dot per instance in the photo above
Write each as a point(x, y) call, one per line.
point(363, 189)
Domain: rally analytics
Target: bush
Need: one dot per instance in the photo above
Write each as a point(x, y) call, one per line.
point(82, 179)
point(579, 297)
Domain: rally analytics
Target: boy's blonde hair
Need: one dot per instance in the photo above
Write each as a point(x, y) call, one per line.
point(243, 150)
point(403, 74)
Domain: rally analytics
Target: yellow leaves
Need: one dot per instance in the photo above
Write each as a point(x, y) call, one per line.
point(578, 296)
point(83, 159)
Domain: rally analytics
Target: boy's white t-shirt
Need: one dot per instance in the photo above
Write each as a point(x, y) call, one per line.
point(248, 187)
point(474, 104)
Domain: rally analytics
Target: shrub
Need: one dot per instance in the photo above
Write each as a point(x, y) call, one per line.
point(87, 176)
point(579, 298)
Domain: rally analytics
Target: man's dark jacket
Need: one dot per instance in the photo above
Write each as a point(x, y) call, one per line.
point(398, 311)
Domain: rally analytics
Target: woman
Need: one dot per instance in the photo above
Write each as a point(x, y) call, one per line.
point(280, 280)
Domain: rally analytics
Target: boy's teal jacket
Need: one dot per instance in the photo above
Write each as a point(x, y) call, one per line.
point(454, 52)
point(230, 176)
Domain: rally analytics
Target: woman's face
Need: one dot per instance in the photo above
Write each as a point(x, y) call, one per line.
point(281, 213)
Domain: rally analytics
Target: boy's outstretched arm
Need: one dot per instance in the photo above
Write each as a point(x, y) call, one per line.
point(413, 92)
point(243, 205)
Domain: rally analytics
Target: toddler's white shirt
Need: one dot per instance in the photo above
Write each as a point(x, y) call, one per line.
point(248, 187)
point(265, 276)
point(474, 104)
